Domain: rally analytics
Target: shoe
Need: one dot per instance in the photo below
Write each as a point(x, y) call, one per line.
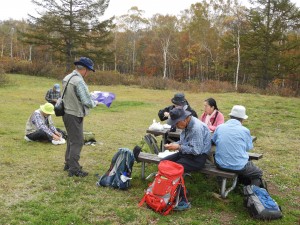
point(183, 205)
point(27, 139)
point(67, 167)
point(60, 142)
point(79, 173)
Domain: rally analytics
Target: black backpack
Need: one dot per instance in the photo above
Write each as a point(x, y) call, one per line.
point(260, 204)
point(119, 172)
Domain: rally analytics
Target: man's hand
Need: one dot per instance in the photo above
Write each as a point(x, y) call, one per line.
point(172, 147)
point(56, 137)
point(166, 114)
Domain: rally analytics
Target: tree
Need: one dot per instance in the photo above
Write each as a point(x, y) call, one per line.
point(231, 24)
point(133, 23)
point(267, 42)
point(204, 36)
point(71, 28)
point(165, 28)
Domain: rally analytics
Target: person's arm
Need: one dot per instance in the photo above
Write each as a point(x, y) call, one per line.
point(161, 113)
point(248, 140)
point(84, 95)
point(39, 122)
point(51, 125)
point(48, 96)
point(219, 120)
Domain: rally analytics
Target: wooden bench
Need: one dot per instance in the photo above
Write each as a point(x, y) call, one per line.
point(209, 169)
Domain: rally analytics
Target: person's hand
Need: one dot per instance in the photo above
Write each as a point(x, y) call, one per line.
point(171, 147)
point(58, 134)
point(166, 114)
point(56, 137)
point(97, 103)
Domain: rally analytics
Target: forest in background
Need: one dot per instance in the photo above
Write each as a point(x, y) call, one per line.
point(213, 42)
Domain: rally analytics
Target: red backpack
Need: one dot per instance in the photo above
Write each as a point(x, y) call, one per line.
point(162, 194)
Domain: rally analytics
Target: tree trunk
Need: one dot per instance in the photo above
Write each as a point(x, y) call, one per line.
point(238, 61)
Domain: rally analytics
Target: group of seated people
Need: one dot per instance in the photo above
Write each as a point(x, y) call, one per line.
point(232, 140)
point(39, 126)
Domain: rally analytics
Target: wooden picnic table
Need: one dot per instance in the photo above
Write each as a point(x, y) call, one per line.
point(167, 135)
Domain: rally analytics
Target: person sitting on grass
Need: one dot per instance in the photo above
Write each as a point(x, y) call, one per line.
point(39, 126)
point(193, 147)
point(233, 141)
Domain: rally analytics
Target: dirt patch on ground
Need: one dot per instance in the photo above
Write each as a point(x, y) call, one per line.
point(273, 190)
point(226, 218)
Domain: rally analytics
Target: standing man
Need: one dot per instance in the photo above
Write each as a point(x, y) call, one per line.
point(193, 147)
point(77, 102)
point(233, 141)
point(53, 94)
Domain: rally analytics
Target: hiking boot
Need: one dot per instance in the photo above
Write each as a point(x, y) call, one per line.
point(183, 205)
point(79, 173)
point(67, 167)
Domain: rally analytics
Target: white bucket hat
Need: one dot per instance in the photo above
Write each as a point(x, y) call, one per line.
point(238, 111)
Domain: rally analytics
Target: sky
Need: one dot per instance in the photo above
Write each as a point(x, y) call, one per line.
point(18, 9)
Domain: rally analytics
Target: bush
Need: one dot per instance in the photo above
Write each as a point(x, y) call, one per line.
point(106, 78)
point(3, 78)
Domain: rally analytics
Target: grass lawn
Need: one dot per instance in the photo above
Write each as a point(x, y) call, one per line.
point(34, 189)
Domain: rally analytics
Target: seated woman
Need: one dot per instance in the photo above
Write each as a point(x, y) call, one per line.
point(211, 116)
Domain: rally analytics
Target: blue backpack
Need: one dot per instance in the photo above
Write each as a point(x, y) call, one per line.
point(260, 204)
point(119, 172)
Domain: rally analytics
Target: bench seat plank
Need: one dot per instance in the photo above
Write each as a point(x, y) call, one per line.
point(209, 169)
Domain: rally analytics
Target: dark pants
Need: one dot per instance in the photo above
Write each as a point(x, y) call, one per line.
point(39, 135)
point(250, 174)
point(74, 127)
point(188, 161)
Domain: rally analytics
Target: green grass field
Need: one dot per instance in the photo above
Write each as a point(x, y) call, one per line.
point(34, 189)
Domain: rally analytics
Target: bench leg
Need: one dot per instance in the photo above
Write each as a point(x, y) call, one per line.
point(143, 170)
point(225, 192)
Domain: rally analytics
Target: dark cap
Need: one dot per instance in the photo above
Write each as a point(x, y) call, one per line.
point(179, 99)
point(86, 62)
point(177, 114)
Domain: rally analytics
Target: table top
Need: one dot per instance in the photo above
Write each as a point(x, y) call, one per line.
point(164, 131)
